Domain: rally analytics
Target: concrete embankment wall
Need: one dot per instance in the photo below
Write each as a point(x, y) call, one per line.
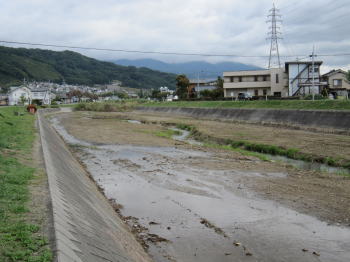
point(85, 225)
point(339, 120)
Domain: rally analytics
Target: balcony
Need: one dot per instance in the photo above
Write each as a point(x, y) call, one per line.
point(259, 84)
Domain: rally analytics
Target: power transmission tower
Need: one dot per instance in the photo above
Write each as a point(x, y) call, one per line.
point(274, 36)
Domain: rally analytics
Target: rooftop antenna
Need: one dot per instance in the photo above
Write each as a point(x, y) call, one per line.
point(274, 36)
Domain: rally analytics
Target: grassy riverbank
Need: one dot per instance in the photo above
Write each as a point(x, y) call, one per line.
point(20, 240)
point(273, 104)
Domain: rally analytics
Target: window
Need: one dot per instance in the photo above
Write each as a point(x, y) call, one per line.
point(255, 78)
point(264, 92)
point(264, 78)
point(277, 94)
point(239, 79)
point(231, 78)
point(256, 92)
point(315, 69)
point(277, 79)
point(337, 82)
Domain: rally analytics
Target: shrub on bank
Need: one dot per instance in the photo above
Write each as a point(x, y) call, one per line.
point(105, 106)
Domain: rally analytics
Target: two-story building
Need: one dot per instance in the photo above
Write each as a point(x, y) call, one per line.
point(296, 78)
point(268, 82)
point(42, 95)
point(304, 78)
point(19, 95)
point(337, 83)
point(24, 95)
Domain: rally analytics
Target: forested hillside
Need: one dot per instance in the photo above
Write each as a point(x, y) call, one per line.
point(74, 68)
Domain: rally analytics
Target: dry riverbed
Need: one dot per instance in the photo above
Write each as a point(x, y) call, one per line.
point(193, 203)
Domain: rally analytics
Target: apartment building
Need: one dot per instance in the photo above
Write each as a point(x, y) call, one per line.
point(304, 78)
point(296, 78)
point(269, 82)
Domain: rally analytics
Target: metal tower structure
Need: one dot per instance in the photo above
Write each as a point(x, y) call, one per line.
point(274, 18)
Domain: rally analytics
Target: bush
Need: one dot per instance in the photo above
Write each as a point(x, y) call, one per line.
point(105, 106)
point(316, 97)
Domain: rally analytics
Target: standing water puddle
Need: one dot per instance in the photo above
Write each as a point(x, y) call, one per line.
point(310, 165)
point(184, 136)
point(134, 121)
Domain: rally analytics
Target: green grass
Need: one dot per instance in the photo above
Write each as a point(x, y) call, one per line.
point(19, 240)
point(273, 104)
point(169, 133)
point(292, 153)
point(262, 157)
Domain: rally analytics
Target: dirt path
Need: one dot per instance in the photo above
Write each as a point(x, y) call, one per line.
point(206, 204)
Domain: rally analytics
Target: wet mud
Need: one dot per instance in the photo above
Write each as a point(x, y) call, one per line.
point(196, 205)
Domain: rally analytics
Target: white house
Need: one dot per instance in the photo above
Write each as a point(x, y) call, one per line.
point(43, 95)
point(17, 95)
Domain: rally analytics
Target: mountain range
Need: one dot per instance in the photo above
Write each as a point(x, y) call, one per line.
point(73, 68)
point(205, 70)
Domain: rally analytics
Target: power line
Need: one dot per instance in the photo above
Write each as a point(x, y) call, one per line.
point(160, 53)
point(131, 51)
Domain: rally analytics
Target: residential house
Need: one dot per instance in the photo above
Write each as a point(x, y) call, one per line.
point(337, 83)
point(19, 95)
point(42, 95)
point(165, 89)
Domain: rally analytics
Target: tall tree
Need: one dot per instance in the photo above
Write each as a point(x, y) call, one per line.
point(220, 88)
point(182, 84)
point(348, 75)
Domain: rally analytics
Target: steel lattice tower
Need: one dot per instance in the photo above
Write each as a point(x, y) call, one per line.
point(274, 36)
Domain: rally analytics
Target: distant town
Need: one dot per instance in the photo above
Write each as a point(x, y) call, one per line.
point(297, 79)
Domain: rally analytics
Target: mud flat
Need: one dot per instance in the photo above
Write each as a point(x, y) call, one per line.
point(191, 203)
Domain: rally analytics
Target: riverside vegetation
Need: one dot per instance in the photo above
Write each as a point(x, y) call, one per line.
point(292, 153)
point(20, 240)
point(271, 104)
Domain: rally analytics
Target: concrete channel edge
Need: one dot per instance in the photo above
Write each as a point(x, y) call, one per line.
point(85, 225)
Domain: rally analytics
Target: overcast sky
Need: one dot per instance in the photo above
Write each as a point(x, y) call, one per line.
point(189, 26)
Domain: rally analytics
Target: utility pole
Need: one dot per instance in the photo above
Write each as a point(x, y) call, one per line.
point(274, 36)
point(313, 72)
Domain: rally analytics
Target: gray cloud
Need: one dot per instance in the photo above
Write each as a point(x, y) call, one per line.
point(200, 26)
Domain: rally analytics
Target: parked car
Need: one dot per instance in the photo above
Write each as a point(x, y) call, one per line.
point(244, 96)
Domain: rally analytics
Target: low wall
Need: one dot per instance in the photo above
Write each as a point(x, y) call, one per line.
point(339, 120)
point(85, 225)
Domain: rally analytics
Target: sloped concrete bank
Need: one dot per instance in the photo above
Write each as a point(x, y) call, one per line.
point(85, 225)
point(339, 120)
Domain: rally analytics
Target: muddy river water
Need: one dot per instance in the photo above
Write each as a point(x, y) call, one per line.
point(205, 214)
